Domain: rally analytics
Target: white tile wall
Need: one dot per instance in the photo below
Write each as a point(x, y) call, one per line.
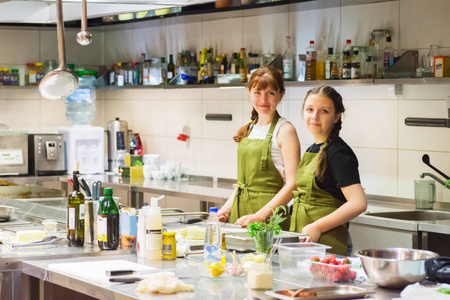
point(389, 152)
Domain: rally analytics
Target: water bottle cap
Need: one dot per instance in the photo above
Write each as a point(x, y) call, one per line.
point(213, 210)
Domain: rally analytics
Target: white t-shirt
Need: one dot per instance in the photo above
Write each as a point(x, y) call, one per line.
point(261, 132)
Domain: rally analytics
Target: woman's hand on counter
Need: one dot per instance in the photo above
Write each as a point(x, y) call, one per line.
point(223, 214)
point(245, 220)
point(313, 232)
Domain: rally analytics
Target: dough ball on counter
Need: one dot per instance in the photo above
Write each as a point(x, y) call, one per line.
point(164, 283)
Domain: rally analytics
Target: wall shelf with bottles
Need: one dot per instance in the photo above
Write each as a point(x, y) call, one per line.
point(351, 82)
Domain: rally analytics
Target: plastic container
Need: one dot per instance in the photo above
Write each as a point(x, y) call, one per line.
point(213, 238)
point(81, 105)
point(332, 273)
point(153, 231)
point(295, 257)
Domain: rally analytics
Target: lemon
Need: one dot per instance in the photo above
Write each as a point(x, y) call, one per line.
point(216, 269)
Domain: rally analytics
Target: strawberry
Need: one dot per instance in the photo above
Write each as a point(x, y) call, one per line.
point(347, 261)
point(331, 257)
point(352, 275)
point(315, 258)
point(324, 260)
point(337, 276)
point(343, 269)
point(330, 277)
point(345, 277)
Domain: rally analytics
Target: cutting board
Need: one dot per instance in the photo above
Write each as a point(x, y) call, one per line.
point(95, 271)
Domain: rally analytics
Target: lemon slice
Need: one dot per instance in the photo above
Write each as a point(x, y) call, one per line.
point(216, 269)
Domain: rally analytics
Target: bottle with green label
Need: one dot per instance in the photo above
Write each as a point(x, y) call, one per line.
point(75, 212)
point(108, 222)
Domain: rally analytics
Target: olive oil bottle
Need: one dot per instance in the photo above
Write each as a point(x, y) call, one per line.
point(108, 222)
point(75, 212)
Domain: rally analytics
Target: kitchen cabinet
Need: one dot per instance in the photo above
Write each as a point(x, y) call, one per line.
point(369, 236)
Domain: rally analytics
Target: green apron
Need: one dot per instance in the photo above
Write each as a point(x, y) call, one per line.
point(258, 178)
point(311, 203)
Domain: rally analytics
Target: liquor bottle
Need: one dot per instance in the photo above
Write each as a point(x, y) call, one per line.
point(388, 53)
point(356, 65)
point(170, 68)
point(75, 212)
point(347, 65)
point(288, 61)
point(108, 222)
point(224, 65)
point(234, 64)
point(370, 61)
point(329, 62)
point(138, 149)
point(178, 64)
point(243, 65)
point(163, 76)
point(311, 57)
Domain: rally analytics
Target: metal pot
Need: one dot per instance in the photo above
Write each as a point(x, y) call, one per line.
point(395, 267)
point(6, 212)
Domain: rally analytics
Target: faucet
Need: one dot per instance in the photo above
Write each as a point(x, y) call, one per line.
point(422, 175)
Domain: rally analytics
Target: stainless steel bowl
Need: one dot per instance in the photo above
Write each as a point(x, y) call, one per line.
point(395, 267)
point(5, 212)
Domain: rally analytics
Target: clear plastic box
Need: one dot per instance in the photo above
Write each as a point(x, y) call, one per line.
point(332, 273)
point(295, 257)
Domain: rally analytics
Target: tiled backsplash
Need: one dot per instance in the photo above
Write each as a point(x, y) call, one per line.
point(388, 151)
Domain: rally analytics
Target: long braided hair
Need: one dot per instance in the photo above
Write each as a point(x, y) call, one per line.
point(331, 93)
point(261, 78)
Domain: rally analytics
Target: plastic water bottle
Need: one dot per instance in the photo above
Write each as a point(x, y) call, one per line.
point(80, 106)
point(213, 238)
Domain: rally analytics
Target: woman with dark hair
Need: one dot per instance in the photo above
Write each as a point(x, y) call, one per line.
point(329, 193)
point(268, 155)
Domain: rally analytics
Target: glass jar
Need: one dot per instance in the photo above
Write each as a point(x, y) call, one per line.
point(49, 65)
point(1, 76)
point(253, 61)
point(379, 36)
point(260, 277)
point(169, 248)
point(264, 241)
point(30, 75)
point(155, 71)
point(39, 72)
point(6, 77)
point(14, 77)
point(146, 72)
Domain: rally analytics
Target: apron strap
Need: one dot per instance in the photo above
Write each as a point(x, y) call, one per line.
point(268, 141)
point(242, 189)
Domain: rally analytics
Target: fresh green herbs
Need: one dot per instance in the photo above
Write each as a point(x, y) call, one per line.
point(444, 291)
point(263, 232)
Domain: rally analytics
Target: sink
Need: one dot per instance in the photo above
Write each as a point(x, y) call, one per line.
point(414, 215)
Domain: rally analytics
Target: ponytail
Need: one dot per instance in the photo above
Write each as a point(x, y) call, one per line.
point(244, 130)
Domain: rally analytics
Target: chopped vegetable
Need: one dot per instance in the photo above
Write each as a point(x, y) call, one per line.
point(444, 291)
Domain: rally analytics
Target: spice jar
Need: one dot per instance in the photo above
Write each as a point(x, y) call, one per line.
point(14, 77)
point(169, 248)
point(260, 277)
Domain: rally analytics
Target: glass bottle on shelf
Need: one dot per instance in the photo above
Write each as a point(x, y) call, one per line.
point(355, 64)
point(163, 78)
point(170, 68)
point(369, 70)
point(429, 72)
point(288, 61)
point(346, 65)
point(388, 53)
point(311, 57)
point(329, 64)
point(179, 63)
point(224, 65)
point(1, 76)
point(146, 72)
point(243, 65)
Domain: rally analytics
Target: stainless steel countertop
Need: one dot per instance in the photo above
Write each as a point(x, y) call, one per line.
point(438, 226)
point(207, 189)
point(187, 270)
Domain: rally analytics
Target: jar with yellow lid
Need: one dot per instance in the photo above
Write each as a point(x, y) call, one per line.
point(169, 249)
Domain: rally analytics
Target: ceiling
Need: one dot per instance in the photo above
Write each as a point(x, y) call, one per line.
point(44, 11)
